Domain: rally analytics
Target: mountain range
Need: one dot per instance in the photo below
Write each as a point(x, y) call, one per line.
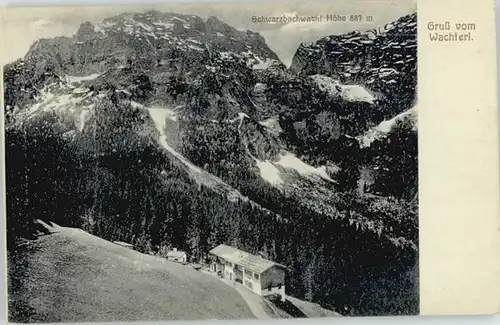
point(167, 130)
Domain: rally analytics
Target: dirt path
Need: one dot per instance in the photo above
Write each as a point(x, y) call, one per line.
point(257, 306)
point(254, 301)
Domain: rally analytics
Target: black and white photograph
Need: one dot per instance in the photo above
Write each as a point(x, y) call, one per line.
point(210, 161)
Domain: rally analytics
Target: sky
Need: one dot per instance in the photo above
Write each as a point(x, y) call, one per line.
point(21, 26)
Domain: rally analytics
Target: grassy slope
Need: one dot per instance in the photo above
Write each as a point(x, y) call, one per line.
point(311, 309)
point(70, 275)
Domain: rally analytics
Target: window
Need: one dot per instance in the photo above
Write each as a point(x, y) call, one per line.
point(256, 276)
point(247, 272)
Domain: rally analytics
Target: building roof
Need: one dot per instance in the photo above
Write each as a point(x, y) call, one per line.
point(176, 254)
point(250, 262)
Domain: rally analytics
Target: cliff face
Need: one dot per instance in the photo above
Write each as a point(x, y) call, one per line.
point(173, 130)
point(384, 60)
point(379, 68)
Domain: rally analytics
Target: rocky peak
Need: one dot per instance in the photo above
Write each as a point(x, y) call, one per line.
point(154, 40)
point(85, 32)
point(217, 25)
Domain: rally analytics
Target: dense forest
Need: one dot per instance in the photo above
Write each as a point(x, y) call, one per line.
point(123, 187)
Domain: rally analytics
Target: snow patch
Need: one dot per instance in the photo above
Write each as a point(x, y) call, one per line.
point(161, 114)
point(195, 41)
point(76, 79)
point(385, 72)
point(259, 87)
point(80, 90)
point(355, 93)
point(65, 105)
point(211, 68)
point(126, 92)
point(196, 48)
point(241, 117)
point(99, 29)
point(289, 160)
point(144, 26)
point(385, 127)
point(136, 104)
point(351, 93)
point(272, 125)
point(107, 24)
point(179, 19)
point(159, 117)
point(261, 65)
point(226, 55)
point(83, 116)
point(269, 172)
point(163, 24)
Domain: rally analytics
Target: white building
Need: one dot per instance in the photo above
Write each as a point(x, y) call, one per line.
point(259, 275)
point(177, 256)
